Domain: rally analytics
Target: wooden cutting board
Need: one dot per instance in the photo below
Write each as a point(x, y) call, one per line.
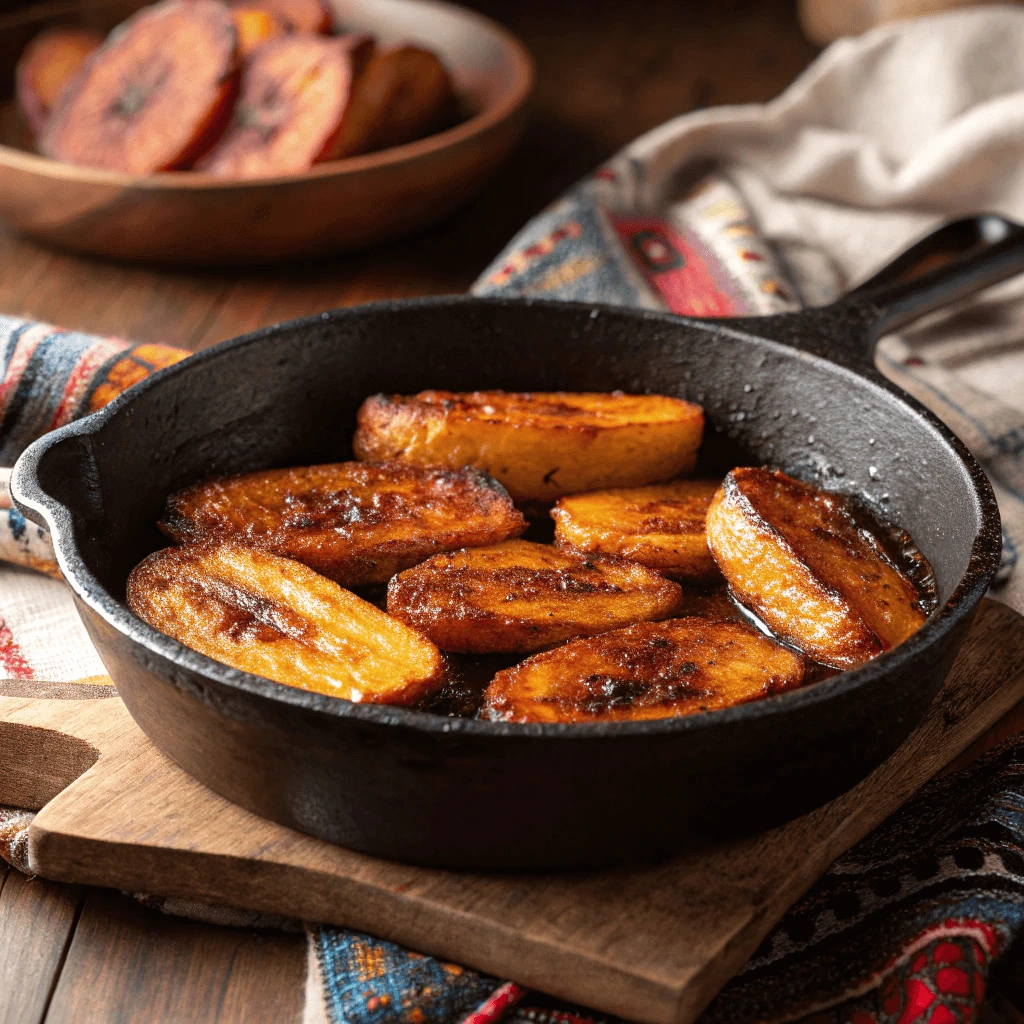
point(653, 945)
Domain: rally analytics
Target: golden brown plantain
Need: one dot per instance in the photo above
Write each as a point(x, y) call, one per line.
point(651, 670)
point(521, 596)
point(540, 445)
point(422, 89)
point(660, 526)
point(355, 522)
point(798, 557)
point(276, 618)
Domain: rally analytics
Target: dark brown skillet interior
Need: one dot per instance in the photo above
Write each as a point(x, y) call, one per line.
point(417, 787)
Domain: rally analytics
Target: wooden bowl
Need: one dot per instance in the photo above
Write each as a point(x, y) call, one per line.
point(184, 217)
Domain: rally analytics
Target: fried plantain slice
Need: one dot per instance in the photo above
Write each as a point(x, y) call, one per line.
point(398, 96)
point(522, 596)
point(276, 618)
point(650, 670)
point(48, 63)
point(422, 89)
point(294, 94)
point(355, 522)
point(155, 96)
point(800, 558)
point(660, 526)
point(540, 445)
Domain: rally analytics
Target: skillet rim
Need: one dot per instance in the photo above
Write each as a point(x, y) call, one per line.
point(34, 501)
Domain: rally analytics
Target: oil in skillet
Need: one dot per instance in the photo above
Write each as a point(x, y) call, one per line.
point(468, 677)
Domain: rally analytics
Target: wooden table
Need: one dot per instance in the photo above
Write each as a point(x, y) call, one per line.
point(607, 71)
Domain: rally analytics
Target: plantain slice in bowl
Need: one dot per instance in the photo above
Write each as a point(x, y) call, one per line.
point(540, 445)
point(357, 523)
point(278, 619)
point(520, 596)
point(660, 526)
point(155, 96)
point(294, 94)
point(650, 670)
point(401, 94)
point(806, 563)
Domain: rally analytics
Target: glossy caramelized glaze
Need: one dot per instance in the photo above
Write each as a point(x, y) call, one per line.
point(522, 596)
point(661, 526)
point(276, 618)
point(357, 523)
point(804, 561)
point(650, 670)
point(540, 445)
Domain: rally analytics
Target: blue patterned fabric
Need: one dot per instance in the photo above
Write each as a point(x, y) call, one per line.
point(376, 982)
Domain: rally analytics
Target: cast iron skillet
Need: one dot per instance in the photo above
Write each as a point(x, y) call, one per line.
point(797, 390)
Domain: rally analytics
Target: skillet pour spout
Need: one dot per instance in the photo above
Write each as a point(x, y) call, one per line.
point(798, 391)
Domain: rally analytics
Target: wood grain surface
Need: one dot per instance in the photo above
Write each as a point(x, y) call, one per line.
point(652, 945)
point(122, 954)
point(37, 919)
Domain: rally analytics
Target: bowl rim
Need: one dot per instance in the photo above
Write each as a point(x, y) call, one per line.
point(506, 106)
point(43, 508)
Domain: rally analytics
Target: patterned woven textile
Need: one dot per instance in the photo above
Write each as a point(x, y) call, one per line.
point(731, 211)
point(52, 376)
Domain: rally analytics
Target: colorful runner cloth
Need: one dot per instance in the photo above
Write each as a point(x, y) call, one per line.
point(729, 211)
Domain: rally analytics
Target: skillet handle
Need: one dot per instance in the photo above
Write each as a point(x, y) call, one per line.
point(950, 264)
point(953, 263)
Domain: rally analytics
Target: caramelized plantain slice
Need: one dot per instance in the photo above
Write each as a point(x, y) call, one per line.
point(295, 92)
point(650, 670)
point(421, 91)
point(276, 618)
point(799, 557)
point(660, 526)
point(398, 96)
point(254, 26)
point(521, 596)
point(356, 522)
point(540, 445)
